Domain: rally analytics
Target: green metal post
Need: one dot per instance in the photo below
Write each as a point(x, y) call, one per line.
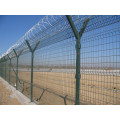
point(17, 56)
point(0, 67)
point(32, 62)
point(5, 69)
point(77, 58)
point(78, 36)
point(17, 73)
point(9, 71)
point(9, 68)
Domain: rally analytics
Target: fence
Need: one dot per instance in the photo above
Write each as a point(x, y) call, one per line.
point(67, 60)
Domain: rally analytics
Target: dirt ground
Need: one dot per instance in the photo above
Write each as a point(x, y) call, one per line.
point(94, 89)
point(5, 96)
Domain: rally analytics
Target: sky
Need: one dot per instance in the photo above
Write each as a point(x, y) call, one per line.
point(100, 47)
point(13, 27)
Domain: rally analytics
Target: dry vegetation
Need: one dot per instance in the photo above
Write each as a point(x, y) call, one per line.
point(5, 98)
point(95, 89)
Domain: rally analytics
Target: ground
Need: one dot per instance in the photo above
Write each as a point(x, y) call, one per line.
point(5, 96)
point(94, 89)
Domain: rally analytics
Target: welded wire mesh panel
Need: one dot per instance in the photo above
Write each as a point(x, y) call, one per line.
point(54, 71)
point(7, 70)
point(3, 69)
point(54, 64)
point(13, 72)
point(0, 68)
point(24, 74)
point(100, 61)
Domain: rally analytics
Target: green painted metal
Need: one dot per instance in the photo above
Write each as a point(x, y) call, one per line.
point(78, 36)
point(0, 67)
point(29, 46)
point(17, 74)
point(4, 68)
point(13, 68)
point(17, 56)
point(9, 68)
point(15, 52)
point(83, 27)
point(69, 18)
point(32, 62)
point(36, 46)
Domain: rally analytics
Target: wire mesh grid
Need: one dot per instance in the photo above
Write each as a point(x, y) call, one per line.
point(54, 64)
point(13, 72)
point(3, 69)
point(54, 69)
point(100, 64)
point(7, 70)
point(24, 74)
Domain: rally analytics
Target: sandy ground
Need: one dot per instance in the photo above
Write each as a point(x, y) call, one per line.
point(5, 96)
point(94, 89)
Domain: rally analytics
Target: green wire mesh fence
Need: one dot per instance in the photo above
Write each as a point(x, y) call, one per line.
point(67, 60)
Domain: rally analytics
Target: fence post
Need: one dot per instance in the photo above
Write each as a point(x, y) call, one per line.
point(16, 67)
point(32, 62)
point(17, 55)
point(9, 71)
point(9, 68)
point(4, 68)
point(78, 36)
point(0, 67)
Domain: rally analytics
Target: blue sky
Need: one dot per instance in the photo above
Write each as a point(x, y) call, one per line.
point(12, 27)
point(100, 49)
